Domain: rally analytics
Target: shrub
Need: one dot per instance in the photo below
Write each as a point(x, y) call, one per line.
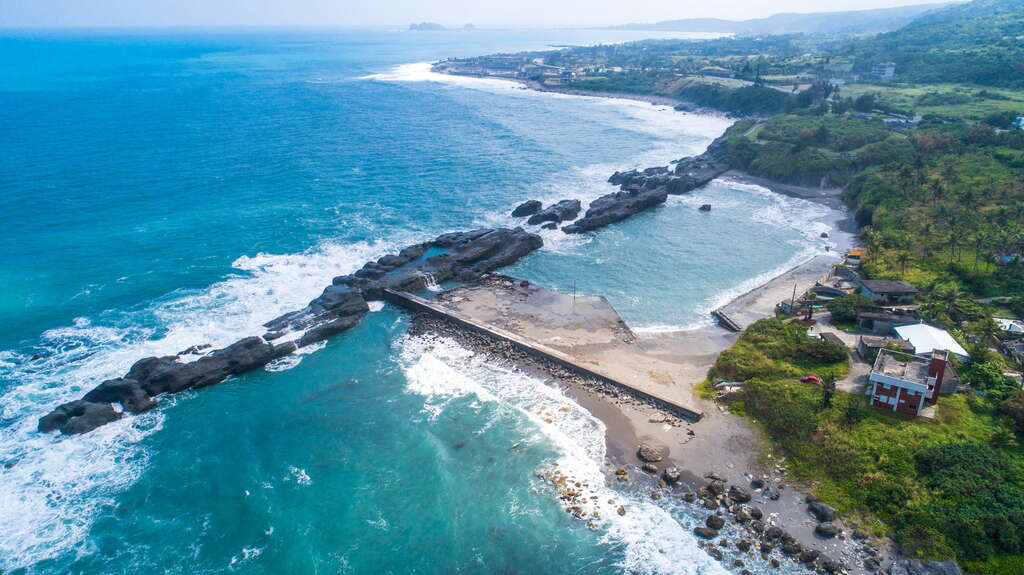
point(844, 309)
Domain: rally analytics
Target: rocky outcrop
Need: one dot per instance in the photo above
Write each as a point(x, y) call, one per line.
point(463, 256)
point(527, 208)
point(78, 417)
point(616, 207)
point(563, 211)
point(641, 190)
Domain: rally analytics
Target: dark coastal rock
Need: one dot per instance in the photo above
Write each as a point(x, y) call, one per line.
point(527, 208)
point(755, 512)
point(830, 565)
point(127, 392)
point(549, 226)
point(648, 454)
point(195, 349)
point(235, 359)
point(743, 545)
point(773, 533)
point(808, 556)
point(715, 521)
point(820, 511)
point(78, 417)
point(672, 475)
point(615, 207)
point(336, 302)
point(739, 494)
point(705, 207)
point(755, 526)
point(827, 530)
point(791, 548)
point(756, 483)
point(649, 468)
point(466, 256)
point(689, 497)
point(564, 210)
point(705, 532)
point(717, 487)
point(742, 514)
point(715, 553)
point(914, 567)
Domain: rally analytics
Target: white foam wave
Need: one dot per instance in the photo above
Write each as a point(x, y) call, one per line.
point(58, 485)
point(653, 541)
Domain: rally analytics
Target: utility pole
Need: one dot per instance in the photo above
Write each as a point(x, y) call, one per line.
point(792, 300)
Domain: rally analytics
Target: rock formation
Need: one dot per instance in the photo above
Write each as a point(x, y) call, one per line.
point(564, 210)
point(462, 256)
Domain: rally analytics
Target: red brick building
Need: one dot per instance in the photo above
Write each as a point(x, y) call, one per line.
point(908, 383)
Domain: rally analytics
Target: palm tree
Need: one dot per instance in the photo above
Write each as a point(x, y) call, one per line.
point(902, 258)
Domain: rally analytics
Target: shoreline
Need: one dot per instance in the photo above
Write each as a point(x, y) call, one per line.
point(721, 445)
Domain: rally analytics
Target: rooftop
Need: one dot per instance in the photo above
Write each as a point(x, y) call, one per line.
point(902, 366)
point(889, 286)
point(926, 338)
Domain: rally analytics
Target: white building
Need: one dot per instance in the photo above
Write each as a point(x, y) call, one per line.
point(926, 338)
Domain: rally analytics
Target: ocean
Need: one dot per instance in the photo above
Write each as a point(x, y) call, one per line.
point(165, 189)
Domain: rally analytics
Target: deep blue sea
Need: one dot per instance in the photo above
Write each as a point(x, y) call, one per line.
point(165, 189)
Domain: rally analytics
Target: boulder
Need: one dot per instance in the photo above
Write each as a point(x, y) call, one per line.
point(715, 552)
point(549, 226)
point(756, 526)
point(739, 494)
point(649, 468)
point(78, 417)
point(527, 208)
point(809, 556)
point(827, 529)
point(564, 210)
point(648, 454)
point(829, 565)
point(705, 207)
point(717, 487)
point(773, 533)
point(715, 521)
point(124, 391)
point(672, 475)
point(820, 511)
point(705, 532)
point(791, 548)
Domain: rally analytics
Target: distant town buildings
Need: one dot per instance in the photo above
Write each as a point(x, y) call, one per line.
point(883, 71)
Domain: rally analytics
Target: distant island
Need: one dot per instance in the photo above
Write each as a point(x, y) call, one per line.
point(426, 27)
point(435, 27)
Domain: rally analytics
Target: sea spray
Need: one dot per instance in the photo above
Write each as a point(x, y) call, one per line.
point(56, 486)
point(650, 539)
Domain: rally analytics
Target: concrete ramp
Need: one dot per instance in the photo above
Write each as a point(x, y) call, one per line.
point(584, 334)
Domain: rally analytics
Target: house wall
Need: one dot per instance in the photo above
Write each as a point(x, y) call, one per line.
point(906, 401)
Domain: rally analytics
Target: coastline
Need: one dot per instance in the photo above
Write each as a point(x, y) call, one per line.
point(721, 445)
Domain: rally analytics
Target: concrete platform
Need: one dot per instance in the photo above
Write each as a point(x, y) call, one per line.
point(583, 333)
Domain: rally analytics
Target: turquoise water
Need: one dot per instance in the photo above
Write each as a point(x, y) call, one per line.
point(159, 191)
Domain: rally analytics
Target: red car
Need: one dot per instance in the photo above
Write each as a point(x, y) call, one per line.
point(810, 379)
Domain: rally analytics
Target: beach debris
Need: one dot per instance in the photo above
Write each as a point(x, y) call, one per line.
point(648, 454)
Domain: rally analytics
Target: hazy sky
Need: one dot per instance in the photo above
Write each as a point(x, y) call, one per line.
point(493, 13)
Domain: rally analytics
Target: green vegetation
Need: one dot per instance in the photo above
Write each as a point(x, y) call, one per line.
point(948, 488)
point(772, 349)
point(844, 309)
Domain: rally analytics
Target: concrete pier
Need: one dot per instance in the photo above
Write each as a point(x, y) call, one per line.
point(584, 334)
